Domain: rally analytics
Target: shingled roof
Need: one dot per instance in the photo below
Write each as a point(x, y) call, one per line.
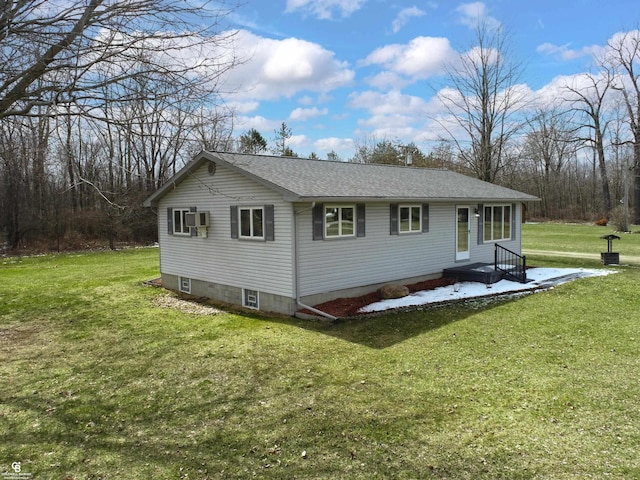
point(322, 180)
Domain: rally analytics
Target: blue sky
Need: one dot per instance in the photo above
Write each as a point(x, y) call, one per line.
point(343, 72)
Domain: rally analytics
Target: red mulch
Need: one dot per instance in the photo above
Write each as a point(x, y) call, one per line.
point(348, 307)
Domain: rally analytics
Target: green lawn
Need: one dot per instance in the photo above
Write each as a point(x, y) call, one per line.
point(97, 382)
point(578, 238)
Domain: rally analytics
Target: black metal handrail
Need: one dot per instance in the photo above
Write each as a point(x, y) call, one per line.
point(510, 263)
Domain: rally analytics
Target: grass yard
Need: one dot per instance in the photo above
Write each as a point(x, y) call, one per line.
point(97, 381)
point(584, 238)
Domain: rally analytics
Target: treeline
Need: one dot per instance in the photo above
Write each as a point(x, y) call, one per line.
point(67, 180)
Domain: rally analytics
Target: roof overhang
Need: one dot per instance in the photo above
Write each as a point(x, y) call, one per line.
point(407, 200)
point(198, 161)
point(204, 156)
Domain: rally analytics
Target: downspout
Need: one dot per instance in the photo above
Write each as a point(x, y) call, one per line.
point(297, 266)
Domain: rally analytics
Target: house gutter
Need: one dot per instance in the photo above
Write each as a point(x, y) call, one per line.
point(297, 266)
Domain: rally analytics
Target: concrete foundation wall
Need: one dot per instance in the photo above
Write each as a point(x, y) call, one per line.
point(276, 303)
point(232, 295)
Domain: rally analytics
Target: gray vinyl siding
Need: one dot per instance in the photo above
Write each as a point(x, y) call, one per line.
point(265, 266)
point(380, 257)
point(324, 265)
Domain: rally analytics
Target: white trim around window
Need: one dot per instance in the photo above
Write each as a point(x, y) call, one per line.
point(339, 221)
point(251, 298)
point(497, 223)
point(184, 284)
point(251, 222)
point(180, 221)
point(409, 219)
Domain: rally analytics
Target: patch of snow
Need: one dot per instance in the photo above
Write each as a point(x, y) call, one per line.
point(539, 279)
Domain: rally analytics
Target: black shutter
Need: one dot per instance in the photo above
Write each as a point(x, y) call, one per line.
point(480, 224)
point(193, 230)
point(360, 219)
point(393, 219)
point(318, 221)
point(425, 217)
point(234, 221)
point(513, 221)
point(170, 221)
point(269, 227)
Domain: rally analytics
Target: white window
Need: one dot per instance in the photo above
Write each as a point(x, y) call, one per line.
point(410, 217)
point(180, 221)
point(252, 222)
point(250, 298)
point(339, 221)
point(184, 284)
point(497, 223)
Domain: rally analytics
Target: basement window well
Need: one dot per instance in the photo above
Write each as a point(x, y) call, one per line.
point(250, 298)
point(184, 284)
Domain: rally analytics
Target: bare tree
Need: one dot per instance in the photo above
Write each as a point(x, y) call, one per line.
point(482, 100)
point(51, 52)
point(547, 148)
point(123, 85)
point(623, 57)
point(212, 130)
point(588, 100)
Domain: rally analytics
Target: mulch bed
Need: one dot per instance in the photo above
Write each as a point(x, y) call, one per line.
point(348, 307)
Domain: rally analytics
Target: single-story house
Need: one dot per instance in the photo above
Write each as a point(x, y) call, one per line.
point(281, 233)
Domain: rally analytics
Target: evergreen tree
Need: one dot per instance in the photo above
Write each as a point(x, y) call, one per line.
point(252, 142)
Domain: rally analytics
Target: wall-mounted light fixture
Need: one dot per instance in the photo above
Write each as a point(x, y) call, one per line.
point(476, 212)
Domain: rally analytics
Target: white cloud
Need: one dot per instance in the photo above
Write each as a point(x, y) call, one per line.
point(481, 56)
point(389, 125)
point(243, 107)
point(275, 69)
point(421, 58)
point(472, 14)
point(387, 79)
point(305, 100)
point(389, 103)
point(302, 114)
point(404, 16)
point(437, 128)
point(334, 144)
point(392, 115)
point(298, 141)
point(565, 53)
point(260, 123)
point(325, 9)
point(554, 93)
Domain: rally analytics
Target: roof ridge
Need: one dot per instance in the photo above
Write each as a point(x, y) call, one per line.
point(342, 162)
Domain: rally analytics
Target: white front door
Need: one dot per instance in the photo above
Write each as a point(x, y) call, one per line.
point(463, 233)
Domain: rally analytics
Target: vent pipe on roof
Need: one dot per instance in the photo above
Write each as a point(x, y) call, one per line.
point(408, 159)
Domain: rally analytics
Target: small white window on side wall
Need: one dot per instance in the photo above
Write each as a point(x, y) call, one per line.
point(250, 298)
point(184, 284)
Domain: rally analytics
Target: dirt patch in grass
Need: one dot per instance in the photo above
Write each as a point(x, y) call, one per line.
point(349, 307)
point(15, 337)
point(186, 306)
